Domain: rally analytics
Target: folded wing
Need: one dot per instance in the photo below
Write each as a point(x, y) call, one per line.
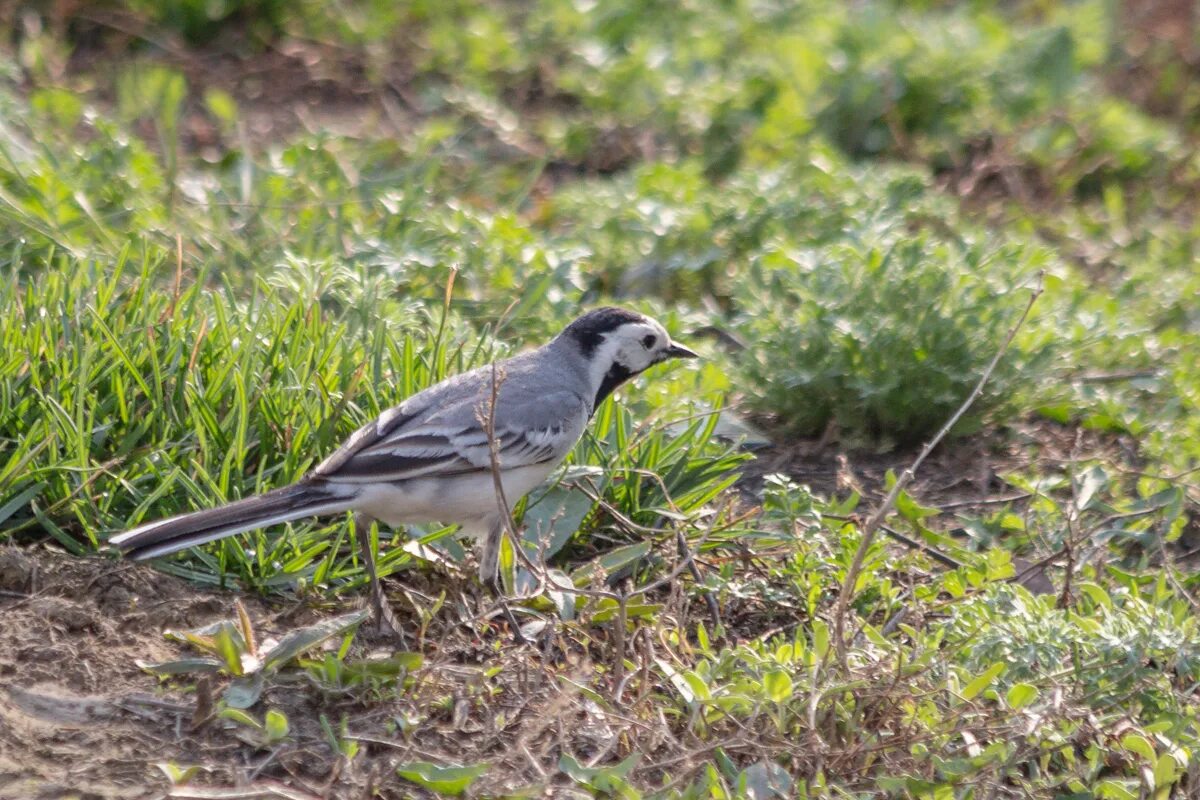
point(406, 443)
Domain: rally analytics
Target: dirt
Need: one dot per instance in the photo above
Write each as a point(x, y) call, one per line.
point(292, 84)
point(966, 472)
point(80, 719)
point(966, 476)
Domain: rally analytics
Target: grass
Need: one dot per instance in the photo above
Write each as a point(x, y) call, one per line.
point(847, 201)
point(135, 404)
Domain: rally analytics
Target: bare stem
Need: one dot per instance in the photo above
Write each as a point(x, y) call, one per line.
point(489, 429)
point(871, 527)
point(486, 415)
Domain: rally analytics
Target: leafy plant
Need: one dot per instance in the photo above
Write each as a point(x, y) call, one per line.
point(271, 731)
point(449, 781)
point(230, 648)
point(883, 329)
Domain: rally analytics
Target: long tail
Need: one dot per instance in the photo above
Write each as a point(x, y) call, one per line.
point(188, 530)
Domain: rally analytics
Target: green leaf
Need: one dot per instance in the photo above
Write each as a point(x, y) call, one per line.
point(221, 105)
point(778, 686)
point(1136, 743)
point(176, 774)
point(1021, 694)
point(63, 106)
point(276, 725)
point(244, 692)
point(564, 602)
point(677, 680)
point(1116, 790)
point(982, 681)
point(698, 685)
point(764, 780)
point(452, 780)
point(608, 780)
point(205, 638)
point(298, 641)
point(820, 633)
point(913, 511)
point(1165, 771)
point(182, 666)
point(1096, 594)
point(332, 670)
point(552, 519)
point(612, 561)
point(1088, 486)
point(607, 609)
point(845, 508)
point(20, 501)
point(228, 650)
point(241, 717)
point(728, 767)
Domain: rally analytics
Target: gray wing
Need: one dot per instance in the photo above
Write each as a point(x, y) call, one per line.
point(437, 433)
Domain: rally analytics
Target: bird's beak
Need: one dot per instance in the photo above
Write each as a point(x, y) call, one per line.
point(676, 350)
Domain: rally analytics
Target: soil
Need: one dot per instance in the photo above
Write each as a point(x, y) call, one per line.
point(79, 719)
point(963, 473)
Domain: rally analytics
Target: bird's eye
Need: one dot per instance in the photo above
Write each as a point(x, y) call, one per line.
point(649, 340)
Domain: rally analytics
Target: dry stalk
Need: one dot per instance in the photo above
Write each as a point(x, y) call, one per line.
point(487, 418)
point(618, 668)
point(908, 541)
point(710, 600)
point(876, 519)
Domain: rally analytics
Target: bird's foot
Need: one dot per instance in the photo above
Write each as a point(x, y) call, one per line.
point(493, 584)
point(386, 622)
point(518, 636)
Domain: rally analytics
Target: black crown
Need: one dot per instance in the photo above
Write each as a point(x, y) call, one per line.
point(589, 330)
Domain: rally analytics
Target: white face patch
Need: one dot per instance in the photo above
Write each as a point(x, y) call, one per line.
point(639, 345)
point(617, 345)
point(631, 349)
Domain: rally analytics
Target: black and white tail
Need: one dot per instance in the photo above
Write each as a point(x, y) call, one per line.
point(188, 530)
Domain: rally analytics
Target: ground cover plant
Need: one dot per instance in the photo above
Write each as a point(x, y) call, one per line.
point(230, 233)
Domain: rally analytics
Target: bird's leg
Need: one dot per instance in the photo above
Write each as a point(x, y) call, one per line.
point(385, 618)
point(489, 574)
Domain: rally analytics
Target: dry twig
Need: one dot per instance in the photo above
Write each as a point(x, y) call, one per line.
point(874, 522)
point(487, 418)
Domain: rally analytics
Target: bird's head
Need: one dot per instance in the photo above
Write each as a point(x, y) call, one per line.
point(618, 344)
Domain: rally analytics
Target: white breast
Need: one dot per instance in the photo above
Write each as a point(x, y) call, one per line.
point(463, 499)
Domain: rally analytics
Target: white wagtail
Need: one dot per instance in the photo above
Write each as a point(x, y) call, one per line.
point(429, 460)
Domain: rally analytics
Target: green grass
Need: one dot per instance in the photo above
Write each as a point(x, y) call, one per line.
point(853, 199)
point(133, 401)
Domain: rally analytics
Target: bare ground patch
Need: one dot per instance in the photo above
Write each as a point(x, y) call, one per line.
point(79, 718)
point(78, 715)
point(963, 472)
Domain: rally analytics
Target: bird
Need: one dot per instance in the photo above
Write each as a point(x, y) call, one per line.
point(429, 458)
